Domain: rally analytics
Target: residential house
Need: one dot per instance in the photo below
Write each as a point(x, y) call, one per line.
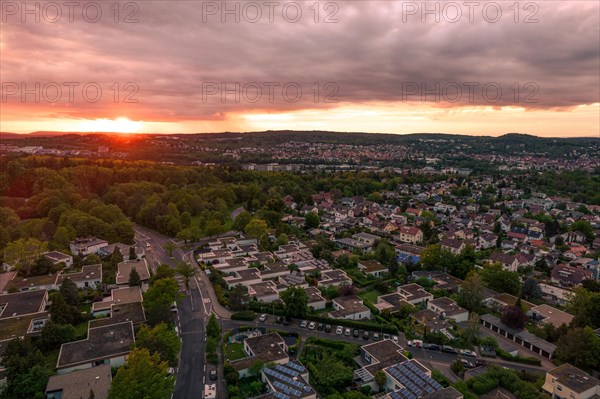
point(315, 299)
point(349, 307)
point(108, 345)
point(124, 270)
point(448, 309)
point(375, 357)
point(59, 257)
point(372, 267)
point(287, 381)
point(265, 348)
point(452, 245)
point(546, 314)
point(80, 384)
point(409, 234)
point(87, 246)
point(568, 382)
point(415, 294)
point(569, 276)
point(90, 276)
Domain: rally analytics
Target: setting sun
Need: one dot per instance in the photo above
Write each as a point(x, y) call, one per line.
point(119, 125)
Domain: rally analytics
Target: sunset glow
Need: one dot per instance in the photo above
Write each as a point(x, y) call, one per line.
point(373, 67)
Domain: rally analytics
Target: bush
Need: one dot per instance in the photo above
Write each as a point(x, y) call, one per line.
point(246, 315)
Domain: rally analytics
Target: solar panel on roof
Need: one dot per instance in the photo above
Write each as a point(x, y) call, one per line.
point(297, 367)
point(280, 395)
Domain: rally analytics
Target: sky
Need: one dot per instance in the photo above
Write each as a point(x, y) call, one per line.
point(187, 66)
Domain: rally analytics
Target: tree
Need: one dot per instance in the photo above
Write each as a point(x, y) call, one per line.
point(513, 316)
point(457, 367)
point(159, 339)
point(42, 266)
point(531, 289)
point(23, 253)
point(187, 271)
point(471, 293)
point(169, 247)
point(53, 335)
point(132, 254)
point(116, 257)
point(144, 376)
point(501, 280)
point(238, 297)
point(163, 271)
point(256, 228)
point(25, 371)
point(312, 220)
point(70, 292)
point(158, 300)
point(241, 221)
point(471, 331)
point(61, 312)
point(295, 301)
point(134, 278)
point(380, 379)
point(585, 306)
point(212, 328)
point(580, 347)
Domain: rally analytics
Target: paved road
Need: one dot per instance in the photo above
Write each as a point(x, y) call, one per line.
point(236, 212)
point(191, 318)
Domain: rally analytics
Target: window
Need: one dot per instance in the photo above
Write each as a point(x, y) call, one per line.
point(559, 387)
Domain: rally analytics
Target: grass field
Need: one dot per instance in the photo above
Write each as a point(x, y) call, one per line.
point(370, 296)
point(235, 351)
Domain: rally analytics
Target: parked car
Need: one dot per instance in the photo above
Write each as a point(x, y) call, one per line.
point(339, 330)
point(355, 333)
point(174, 307)
point(448, 349)
point(386, 336)
point(415, 343)
point(303, 324)
point(395, 339)
point(279, 320)
point(328, 328)
point(375, 336)
point(347, 332)
point(432, 347)
point(467, 364)
point(286, 322)
point(466, 352)
point(213, 375)
point(366, 335)
point(312, 325)
point(262, 318)
point(320, 326)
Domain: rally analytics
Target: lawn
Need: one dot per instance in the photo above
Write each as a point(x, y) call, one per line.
point(370, 295)
point(235, 351)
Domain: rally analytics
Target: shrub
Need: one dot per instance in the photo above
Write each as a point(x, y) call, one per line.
point(246, 315)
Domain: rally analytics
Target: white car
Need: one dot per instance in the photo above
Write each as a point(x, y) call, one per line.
point(395, 339)
point(303, 324)
point(339, 330)
point(263, 318)
point(466, 352)
point(347, 332)
point(312, 325)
